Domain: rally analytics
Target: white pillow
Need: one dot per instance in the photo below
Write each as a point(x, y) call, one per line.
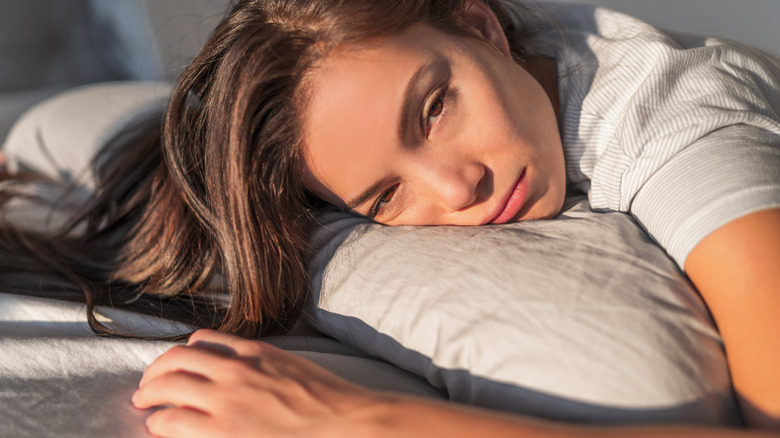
point(59, 136)
point(582, 318)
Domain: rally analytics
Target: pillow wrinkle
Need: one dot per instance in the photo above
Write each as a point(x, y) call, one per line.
point(582, 318)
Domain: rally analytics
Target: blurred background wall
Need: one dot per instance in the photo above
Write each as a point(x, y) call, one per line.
point(754, 22)
point(47, 46)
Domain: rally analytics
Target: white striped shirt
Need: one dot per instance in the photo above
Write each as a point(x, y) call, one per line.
point(682, 132)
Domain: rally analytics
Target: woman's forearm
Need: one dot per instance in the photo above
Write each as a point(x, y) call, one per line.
point(401, 416)
point(219, 385)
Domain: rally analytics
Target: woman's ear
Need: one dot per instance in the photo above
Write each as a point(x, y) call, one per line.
point(479, 16)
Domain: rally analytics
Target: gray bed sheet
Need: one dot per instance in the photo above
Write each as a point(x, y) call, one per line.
point(58, 379)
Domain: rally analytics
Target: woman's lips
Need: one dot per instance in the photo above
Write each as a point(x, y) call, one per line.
point(515, 201)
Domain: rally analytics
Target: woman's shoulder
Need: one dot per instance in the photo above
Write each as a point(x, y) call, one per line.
point(626, 80)
point(620, 76)
point(635, 98)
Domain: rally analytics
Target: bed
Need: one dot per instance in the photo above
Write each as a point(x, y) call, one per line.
point(593, 323)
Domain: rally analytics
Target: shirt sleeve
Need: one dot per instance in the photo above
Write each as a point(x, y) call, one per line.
point(722, 176)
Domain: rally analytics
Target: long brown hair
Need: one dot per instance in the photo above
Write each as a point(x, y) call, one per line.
point(210, 199)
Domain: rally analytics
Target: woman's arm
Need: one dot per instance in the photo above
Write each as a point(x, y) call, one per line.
point(737, 271)
point(223, 386)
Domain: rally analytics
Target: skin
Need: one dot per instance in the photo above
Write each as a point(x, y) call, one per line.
point(219, 385)
point(737, 271)
point(223, 386)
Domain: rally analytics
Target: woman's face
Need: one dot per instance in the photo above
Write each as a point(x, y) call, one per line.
point(426, 128)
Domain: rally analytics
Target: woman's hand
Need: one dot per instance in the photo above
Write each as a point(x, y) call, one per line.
point(223, 386)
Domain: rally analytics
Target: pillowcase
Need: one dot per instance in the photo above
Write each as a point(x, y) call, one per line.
point(582, 318)
point(59, 137)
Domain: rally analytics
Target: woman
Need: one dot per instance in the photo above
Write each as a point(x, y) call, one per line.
point(420, 112)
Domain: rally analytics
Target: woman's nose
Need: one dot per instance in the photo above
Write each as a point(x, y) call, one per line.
point(456, 185)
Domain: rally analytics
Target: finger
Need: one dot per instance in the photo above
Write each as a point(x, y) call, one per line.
point(268, 358)
point(175, 388)
point(193, 360)
point(240, 346)
point(178, 422)
point(261, 356)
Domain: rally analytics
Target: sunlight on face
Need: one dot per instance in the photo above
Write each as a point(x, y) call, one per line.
point(426, 128)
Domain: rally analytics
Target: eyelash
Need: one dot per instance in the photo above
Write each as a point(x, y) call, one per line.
point(377, 208)
point(437, 102)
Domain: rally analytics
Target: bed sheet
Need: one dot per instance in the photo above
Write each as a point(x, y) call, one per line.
point(58, 379)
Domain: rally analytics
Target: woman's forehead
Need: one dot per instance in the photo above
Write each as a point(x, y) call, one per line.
point(371, 63)
point(351, 110)
point(355, 100)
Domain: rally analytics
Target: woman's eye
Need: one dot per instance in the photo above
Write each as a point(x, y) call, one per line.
point(434, 111)
point(383, 201)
